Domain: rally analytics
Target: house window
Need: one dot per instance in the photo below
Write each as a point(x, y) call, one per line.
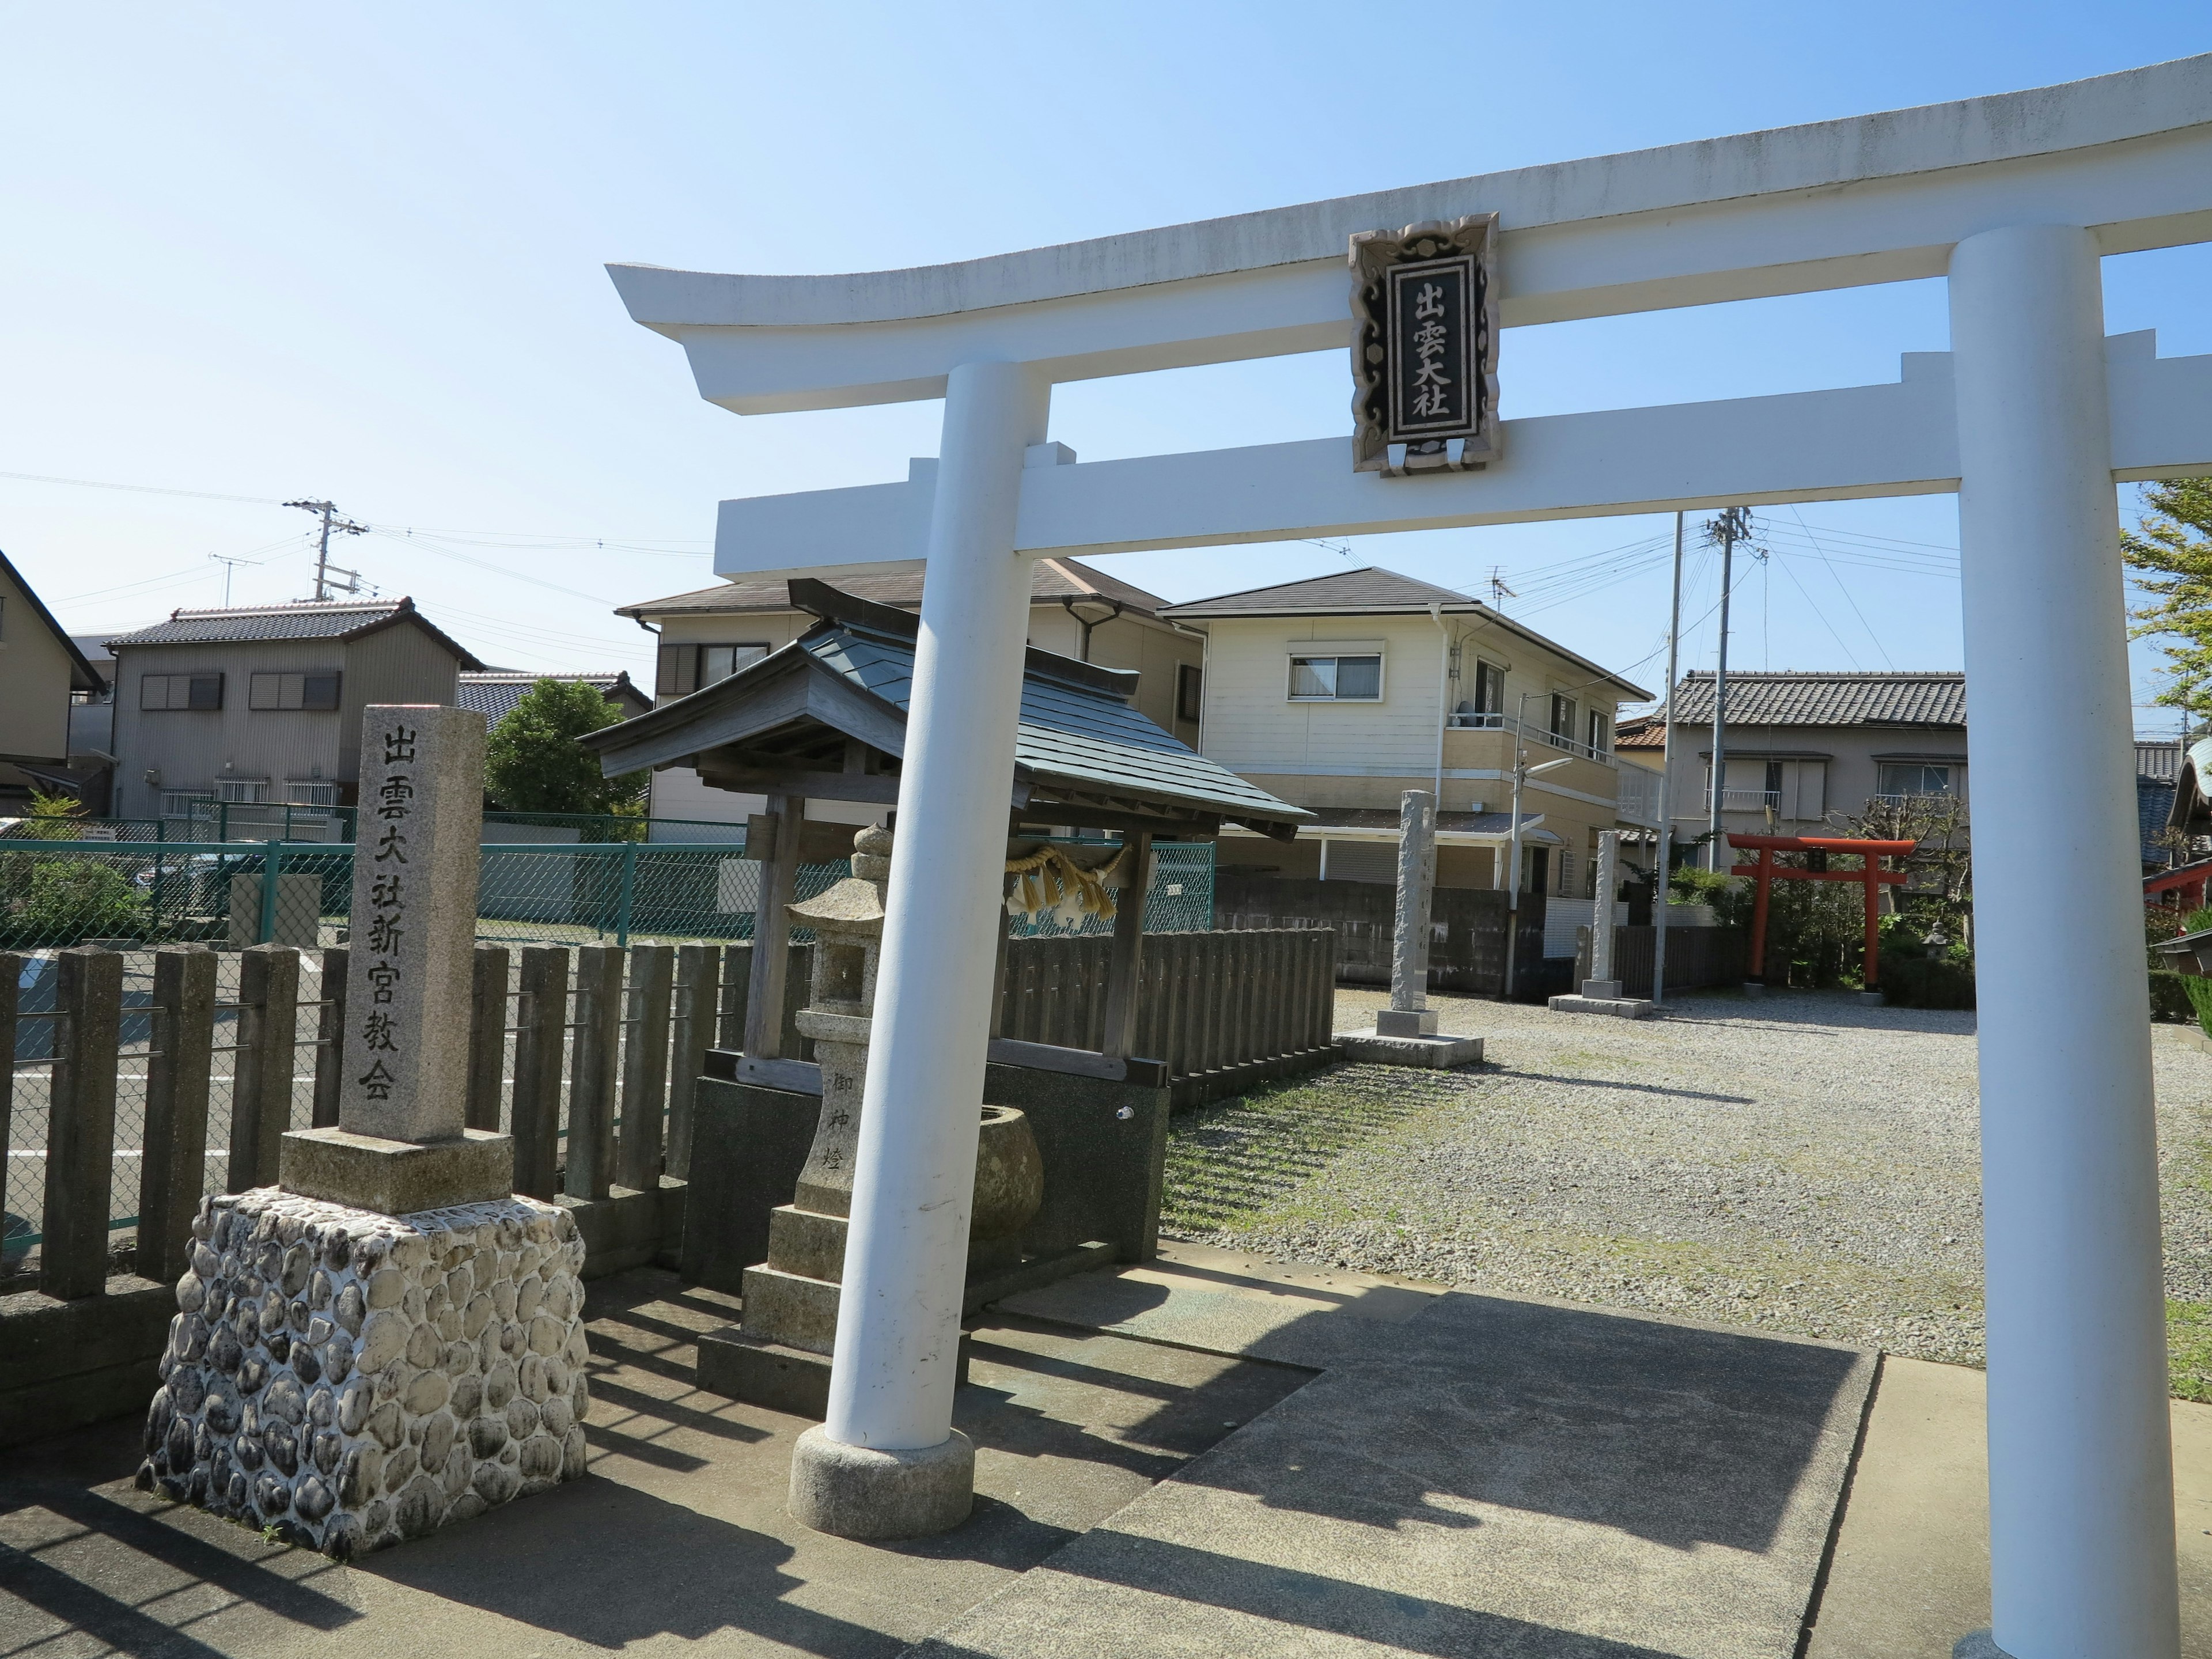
point(181, 803)
point(1566, 873)
point(308, 792)
point(1600, 730)
point(1563, 718)
point(164, 691)
point(683, 669)
point(1914, 778)
point(1489, 689)
point(312, 691)
point(1336, 679)
point(241, 792)
point(1190, 692)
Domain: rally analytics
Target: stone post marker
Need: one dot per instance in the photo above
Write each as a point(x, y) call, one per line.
point(1409, 1013)
point(400, 1144)
point(1603, 982)
point(390, 1340)
point(1601, 993)
point(1404, 1033)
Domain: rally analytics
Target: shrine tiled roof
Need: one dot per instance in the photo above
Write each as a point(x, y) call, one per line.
point(1068, 732)
point(1079, 744)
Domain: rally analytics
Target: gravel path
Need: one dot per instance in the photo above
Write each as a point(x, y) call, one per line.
point(1799, 1163)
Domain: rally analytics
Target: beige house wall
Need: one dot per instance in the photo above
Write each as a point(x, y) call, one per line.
point(1812, 789)
point(35, 681)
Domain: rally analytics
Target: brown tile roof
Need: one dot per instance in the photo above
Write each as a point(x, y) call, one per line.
point(1051, 580)
point(1345, 593)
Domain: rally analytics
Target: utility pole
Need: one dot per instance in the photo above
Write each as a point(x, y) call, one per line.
point(1667, 785)
point(1733, 526)
point(324, 584)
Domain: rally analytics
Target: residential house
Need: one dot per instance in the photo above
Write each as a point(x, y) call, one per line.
point(1074, 611)
point(42, 670)
point(1802, 746)
point(492, 692)
point(263, 703)
point(1340, 693)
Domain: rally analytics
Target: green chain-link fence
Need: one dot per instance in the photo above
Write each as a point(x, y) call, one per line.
point(208, 820)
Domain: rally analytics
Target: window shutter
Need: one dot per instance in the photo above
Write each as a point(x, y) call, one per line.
point(666, 671)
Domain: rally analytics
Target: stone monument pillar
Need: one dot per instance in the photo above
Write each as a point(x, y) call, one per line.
point(779, 1356)
point(1603, 982)
point(390, 1338)
point(1404, 1033)
point(1601, 993)
point(1409, 1013)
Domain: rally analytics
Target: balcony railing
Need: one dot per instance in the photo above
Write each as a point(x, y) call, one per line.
point(1751, 800)
point(1472, 722)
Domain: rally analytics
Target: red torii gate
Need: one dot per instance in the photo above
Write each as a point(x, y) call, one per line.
point(1872, 853)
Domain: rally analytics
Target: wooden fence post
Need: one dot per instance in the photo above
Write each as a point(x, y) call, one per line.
point(329, 1034)
point(737, 984)
point(645, 1066)
point(693, 1020)
point(541, 1022)
point(486, 1036)
point(81, 1124)
point(261, 1085)
point(174, 1165)
point(591, 1063)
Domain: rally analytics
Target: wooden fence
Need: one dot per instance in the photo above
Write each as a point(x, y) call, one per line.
point(1223, 1010)
point(1467, 925)
point(1696, 957)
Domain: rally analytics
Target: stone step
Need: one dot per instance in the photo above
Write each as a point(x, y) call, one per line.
point(807, 1242)
point(791, 1309)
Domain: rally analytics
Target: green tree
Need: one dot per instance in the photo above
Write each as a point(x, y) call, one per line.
point(534, 763)
point(71, 899)
point(2173, 545)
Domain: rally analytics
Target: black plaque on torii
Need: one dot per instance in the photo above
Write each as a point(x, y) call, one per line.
point(1424, 347)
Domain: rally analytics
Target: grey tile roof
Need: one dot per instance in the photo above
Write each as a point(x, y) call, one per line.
point(2158, 759)
point(495, 692)
point(1766, 697)
point(1345, 593)
point(1050, 581)
point(276, 622)
point(247, 625)
point(1068, 733)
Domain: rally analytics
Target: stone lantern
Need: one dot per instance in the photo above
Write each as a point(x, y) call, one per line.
point(790, 1322)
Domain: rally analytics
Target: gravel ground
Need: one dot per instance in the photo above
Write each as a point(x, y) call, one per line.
point(1799, 1163)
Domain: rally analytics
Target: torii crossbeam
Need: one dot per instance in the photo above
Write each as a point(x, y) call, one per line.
point(2031, 418)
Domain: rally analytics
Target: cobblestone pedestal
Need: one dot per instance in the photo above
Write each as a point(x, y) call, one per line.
point(353, 1379)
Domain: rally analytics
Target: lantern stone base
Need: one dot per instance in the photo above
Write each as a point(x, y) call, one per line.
point(1379, 1047)
point(1406, 1022)
point(352, 1378)
point(397, 1177)
point(857, 1492)
point(1619, 1006)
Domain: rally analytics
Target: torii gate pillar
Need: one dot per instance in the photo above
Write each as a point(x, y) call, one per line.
point(887, 1463)
point(2082, 1541)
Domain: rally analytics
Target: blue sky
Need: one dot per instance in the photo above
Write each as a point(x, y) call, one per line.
point(270, 252)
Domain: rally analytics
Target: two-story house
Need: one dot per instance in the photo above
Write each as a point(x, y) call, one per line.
point(42, 672)
point(1074, 611)
point(1340, 693)
point(263, 703)
point(1800, 746)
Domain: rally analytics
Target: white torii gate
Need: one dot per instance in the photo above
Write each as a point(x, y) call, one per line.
point(2031, 418)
